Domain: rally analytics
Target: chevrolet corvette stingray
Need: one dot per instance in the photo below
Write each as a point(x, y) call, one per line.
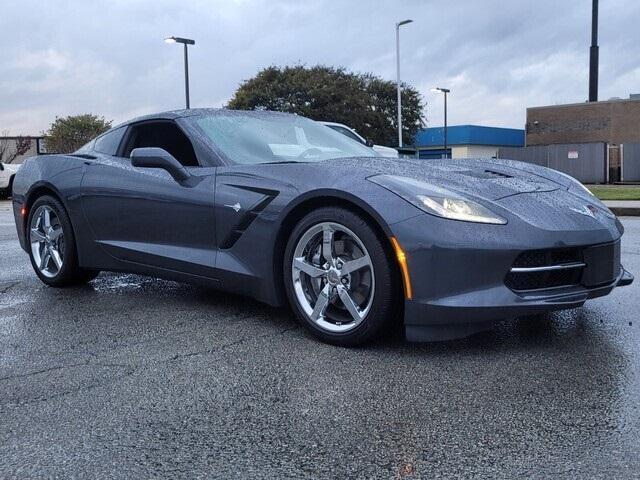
point(284, 209)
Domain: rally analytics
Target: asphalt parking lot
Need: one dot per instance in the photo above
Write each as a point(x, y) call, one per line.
point(137, 377)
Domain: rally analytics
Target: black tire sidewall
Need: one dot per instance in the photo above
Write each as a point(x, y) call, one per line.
point(380, 316)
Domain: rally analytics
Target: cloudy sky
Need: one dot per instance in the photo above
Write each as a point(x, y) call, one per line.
point(497, 56)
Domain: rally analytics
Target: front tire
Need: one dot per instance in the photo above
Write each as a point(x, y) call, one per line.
point(52, 246)
point(339, 279)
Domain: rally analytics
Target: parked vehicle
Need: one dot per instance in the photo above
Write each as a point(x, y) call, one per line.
point(7, 173)
point(280, 208)
point(351, 133)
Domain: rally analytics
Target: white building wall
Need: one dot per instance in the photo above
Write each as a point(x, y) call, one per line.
point(474, 151)
point(33, 149)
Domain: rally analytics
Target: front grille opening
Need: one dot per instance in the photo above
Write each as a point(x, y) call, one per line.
point(546, 279)
point(540, 280)
point(544, 258)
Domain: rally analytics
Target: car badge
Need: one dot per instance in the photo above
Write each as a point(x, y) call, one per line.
point(587, 210)
point(237, 207)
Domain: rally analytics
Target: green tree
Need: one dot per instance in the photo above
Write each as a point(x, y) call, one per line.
point(363, 101)
point(66, 135)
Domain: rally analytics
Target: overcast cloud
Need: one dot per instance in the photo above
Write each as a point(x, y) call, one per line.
point(496, 56)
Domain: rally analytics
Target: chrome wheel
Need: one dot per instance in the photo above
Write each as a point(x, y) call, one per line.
point(333, 277)
point(47, 241)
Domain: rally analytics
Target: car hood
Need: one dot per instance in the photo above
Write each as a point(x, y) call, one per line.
point(490, 179)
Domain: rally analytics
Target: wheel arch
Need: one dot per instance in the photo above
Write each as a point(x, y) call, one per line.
point(41, 189)
point(319, 199)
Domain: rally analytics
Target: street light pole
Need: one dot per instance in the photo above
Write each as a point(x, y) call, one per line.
point(446, 153)
point(398, 25)
point(185, 42)
point(186, 75)
point(446, 92)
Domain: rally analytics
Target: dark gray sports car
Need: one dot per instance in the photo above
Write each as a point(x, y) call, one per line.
point(280, 208)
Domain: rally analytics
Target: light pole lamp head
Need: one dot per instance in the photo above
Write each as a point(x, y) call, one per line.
point(186, 41)
point(440, 90)
point(403, 22)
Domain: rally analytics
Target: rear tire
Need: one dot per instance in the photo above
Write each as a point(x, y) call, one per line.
point(339, 279)
point(52, 246)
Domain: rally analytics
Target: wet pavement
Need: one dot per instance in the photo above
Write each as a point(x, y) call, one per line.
point(136, 377)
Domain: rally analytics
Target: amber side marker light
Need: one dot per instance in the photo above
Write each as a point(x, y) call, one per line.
point(23, 211)
point(402, 261)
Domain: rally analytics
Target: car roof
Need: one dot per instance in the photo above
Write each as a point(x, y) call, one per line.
point(194, 112)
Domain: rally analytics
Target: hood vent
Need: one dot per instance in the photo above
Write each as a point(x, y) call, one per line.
point(497, 174)
point(486, 174)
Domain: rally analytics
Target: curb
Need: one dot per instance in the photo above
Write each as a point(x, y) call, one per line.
point(626, 211)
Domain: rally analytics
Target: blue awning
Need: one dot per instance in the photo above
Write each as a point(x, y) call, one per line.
point(470, 135)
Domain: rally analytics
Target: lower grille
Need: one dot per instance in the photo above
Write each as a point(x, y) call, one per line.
point(588, 266)
point(544, 279)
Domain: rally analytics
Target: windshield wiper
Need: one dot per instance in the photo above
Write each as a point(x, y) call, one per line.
point(280, 162)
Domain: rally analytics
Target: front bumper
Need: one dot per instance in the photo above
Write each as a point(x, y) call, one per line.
point(458, 271)
point(20, 219)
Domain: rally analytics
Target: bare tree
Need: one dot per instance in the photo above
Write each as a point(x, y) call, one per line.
point(12, 148)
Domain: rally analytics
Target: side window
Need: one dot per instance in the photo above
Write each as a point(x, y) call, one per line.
point(346, 132)
point(109, 142)
point(86, 148)
point(164, 135)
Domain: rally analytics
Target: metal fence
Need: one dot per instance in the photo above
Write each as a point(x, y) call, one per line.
point(585, 161)
point(630, 162)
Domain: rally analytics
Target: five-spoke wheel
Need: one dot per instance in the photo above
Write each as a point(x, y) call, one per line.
point(47, 241)
point(52, 244)
point(338, 277)
point(333, 276)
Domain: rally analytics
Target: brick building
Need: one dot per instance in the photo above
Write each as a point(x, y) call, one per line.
point(613, 122)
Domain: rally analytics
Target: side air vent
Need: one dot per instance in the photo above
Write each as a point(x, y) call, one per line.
point(249, 216)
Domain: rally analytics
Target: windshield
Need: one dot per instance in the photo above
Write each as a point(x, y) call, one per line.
point(260, 137)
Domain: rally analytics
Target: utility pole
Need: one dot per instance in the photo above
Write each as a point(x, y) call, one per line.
point(593, 58)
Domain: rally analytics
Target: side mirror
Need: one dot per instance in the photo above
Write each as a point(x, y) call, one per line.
point(153, 157)
point(369, 142)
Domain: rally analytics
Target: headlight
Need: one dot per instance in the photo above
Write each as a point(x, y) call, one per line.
point(437, 201)
point(458, 209)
